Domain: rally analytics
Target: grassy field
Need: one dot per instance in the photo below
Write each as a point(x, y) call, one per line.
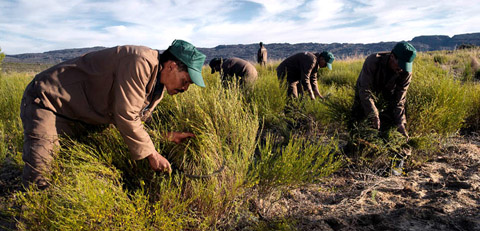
point(250, 142)
point(30, 68)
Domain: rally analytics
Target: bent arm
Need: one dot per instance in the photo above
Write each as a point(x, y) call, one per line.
point(306, 70)
point(399, 104)
point(365, 88)
point(129, 92)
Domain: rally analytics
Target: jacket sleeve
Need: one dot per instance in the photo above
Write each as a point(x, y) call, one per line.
point(313, 80)
point(364, 85)
point(306, 70)
point(129, 92)
point(400, 98)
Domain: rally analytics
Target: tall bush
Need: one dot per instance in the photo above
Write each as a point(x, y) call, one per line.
point(11, 131)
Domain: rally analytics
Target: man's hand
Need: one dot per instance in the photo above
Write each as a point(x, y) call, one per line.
point(178, 137)
point(159, 163)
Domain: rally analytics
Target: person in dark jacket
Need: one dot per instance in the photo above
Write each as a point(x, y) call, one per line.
point(302, 68)
point(119, 85)
point(386, 74)
point(262, 55)
point(237, 68)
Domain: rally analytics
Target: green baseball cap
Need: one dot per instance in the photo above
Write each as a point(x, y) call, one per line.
point(190, 56)
point(405, 54)
point(328, 56)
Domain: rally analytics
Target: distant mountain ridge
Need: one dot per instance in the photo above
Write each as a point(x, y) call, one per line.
point(276, 51)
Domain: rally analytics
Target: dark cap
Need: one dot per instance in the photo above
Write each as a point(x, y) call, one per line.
point(405, 54)
point(190, 56)
point(214, 62)
point(328, 56)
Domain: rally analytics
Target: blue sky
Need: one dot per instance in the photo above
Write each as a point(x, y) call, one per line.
point(38, 26)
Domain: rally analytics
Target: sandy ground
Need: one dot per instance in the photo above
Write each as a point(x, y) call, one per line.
point(442, 194)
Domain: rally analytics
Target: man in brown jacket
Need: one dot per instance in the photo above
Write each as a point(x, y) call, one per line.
point(302, 68)
point(262, 55)
point(119, 85)
point(234, 67)
point(387, 74)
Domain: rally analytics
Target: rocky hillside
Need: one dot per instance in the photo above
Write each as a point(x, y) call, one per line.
point(276, 51)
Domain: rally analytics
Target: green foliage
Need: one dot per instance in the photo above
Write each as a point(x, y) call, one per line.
point(84, 195)
point(436, 102)
point(225, 130)
point(269, 95)
point(30, 68)
point(440, 59)
point(299, 162)
point(2, 56)
point(253, 137)
point(11, 132)
point(374, 150)
point(343, 73)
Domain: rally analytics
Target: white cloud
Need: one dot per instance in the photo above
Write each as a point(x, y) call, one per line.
point(274, 7)
point(37, 26)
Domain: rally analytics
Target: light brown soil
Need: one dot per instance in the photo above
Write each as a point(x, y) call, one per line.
point(442, 194)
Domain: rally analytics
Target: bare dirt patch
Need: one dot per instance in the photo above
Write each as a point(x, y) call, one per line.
point(442, 194)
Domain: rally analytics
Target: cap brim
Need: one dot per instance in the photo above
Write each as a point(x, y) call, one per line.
point(329, 66)
point(196, 77)
point(406, 66)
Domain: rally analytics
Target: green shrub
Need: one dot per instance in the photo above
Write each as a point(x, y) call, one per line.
point(84, 195)
point(343, 73)
point(436, 102)
point(225, 135)
point(269, 96)
point(11, 130)
point(440, 59)
point(301, 161)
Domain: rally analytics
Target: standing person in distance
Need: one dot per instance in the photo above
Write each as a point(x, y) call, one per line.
point(262, 55)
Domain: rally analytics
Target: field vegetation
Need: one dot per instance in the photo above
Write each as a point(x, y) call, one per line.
point(250, 142)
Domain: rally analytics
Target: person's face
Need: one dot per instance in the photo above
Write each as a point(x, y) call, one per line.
point(393, 64)
point(174, 80)
point(321, 62)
